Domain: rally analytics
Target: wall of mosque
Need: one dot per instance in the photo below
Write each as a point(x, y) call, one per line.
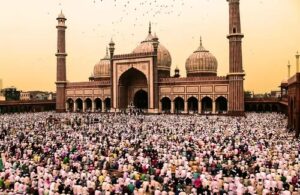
point(194, 97)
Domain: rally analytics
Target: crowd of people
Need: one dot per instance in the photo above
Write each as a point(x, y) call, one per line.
point(73, 153)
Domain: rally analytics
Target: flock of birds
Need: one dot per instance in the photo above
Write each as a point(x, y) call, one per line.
point(137, 13)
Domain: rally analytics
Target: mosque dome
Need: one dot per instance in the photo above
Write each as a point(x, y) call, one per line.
point(102, 68)
point(164, 59)
point(201, 63)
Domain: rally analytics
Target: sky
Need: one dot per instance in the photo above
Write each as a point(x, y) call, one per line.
point(28, 36)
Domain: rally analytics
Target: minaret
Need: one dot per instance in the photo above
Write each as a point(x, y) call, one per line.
point(236, 72)
point(155, 44)
point(289, 70)
point(297, 62)
point(61, 54)
point(111, 52)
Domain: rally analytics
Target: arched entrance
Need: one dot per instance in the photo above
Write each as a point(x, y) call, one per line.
point(141, 99)
point(274, 108)
point(260, 108)
point(267, 108)
point(107, 103)
point(221, 104)
point(193, 105)
point(129, 82)
point(98, 105)
point(166, 104)
point(88, 104)
point(206, 104)
point(79, 104)
point(70, 105)
point(179, 105)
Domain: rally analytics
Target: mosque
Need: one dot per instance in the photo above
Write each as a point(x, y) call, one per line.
point(142, 78)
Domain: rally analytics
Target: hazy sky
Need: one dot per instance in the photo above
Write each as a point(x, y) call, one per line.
point(28, 36)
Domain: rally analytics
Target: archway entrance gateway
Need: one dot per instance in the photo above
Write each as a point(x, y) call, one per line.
point(133, 89)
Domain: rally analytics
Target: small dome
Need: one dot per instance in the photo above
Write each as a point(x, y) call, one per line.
point(201, 63)
point(102, 69)
point(164, 59)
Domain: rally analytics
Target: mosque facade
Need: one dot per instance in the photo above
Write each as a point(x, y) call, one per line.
point(143, 79)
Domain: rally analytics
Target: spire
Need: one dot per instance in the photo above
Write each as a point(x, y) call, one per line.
point(289, 69)
point(200, 41)
point(149, 28)
point(107, 54)
point(201, 48)
point(111, 41)
point(61, 15)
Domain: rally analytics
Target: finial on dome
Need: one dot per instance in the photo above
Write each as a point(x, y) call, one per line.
point(201, 48)
point(149, 28)
point(201, 41)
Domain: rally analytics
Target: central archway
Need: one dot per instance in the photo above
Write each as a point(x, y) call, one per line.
point(141, 99)
point(129, 82)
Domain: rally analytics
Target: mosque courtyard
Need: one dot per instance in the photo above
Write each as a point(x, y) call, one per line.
point(72, 153)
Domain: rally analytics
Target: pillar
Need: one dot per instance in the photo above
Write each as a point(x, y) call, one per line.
point(103, 107)
point(75, 106)
point(214, 107)
point(93, 105)
point(172, 106)
point(186, 107)
point(199, 107)
point(67, 106)
point(83, 106)
point(160, 107)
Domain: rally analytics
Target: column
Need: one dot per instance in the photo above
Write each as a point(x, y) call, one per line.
point(93, 106)
point(83, 106)
point(213, 107)
point(160, 107)
point(186, 107)
point(103, 107)
point(75, 106)
point(172, 107)
point(67, 106)
point(199, 107)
